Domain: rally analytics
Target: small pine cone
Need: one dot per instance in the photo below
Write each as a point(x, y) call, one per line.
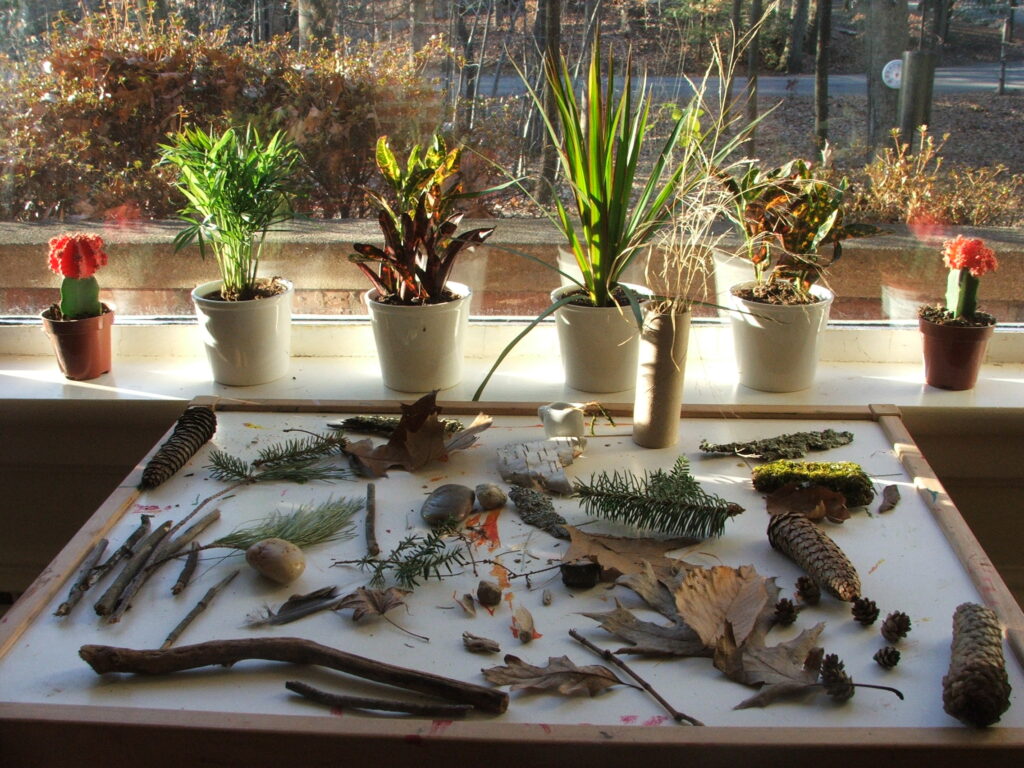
point(785, 612)
point(838, 684)
point(808, 590)
point(809, 547)
point(976, 690)
point(887, 657)
point(865, 611)
point(193, 428)
point(895, 626)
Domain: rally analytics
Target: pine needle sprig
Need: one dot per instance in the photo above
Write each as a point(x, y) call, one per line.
point(671, 503)
point(230, 469)
point(306, 526)
point(314, 447)
point(413, 559)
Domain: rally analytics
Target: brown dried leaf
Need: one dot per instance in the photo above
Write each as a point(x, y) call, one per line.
point(559, 675)
point(418, 439)
point(618, 555)
point(812, 501)
point(373, 602)
point(658, 593)
point(890, 498)
point(787, 669)
point(649, 639)
point(710, 598)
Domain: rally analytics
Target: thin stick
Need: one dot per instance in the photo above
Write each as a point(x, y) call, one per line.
point(124, 600)
point(380, 705)
point(609, 656)
point(173, 546)
point(204, 502)
point(187, 570)
point(125, 550)
point(82, 584)
point(105, 658)
point(106, 604)
point(201, 606)
point(372, 547)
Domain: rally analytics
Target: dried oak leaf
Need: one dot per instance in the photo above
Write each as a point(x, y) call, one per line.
point(647, 638)
point(708, 599)
point(659, 592)
point(559, 675)
point(373, 602)
point(890, 498)
point(784, 670)
point(618, 555)
point(418, 440)
point(812, 501)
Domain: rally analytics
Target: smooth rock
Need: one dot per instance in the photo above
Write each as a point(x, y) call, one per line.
point(447, 505)
point(490, 496)
point(277, 559)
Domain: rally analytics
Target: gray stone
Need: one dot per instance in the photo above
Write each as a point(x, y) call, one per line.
point(447, 504)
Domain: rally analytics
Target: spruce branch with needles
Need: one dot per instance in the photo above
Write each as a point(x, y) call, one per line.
point(415, 558)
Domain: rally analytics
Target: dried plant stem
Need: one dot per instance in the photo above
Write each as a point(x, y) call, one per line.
point(134, 584)
point(122, 552)
point(199, 607)
point(105, 658)
point(187, 570)
point(140, 557)
point(82, 583)
point(380, 705)
point(678, 716)
point(224, 491)
point(372, 547)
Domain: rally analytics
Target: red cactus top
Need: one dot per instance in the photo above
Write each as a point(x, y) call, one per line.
point(78, 255)
point(969, 253)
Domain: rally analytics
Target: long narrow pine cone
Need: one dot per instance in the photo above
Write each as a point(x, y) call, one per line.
point(193, 428)
point(809, 547)
point(976, 690)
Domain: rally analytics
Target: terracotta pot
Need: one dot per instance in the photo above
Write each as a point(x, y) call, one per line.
point(659, 378)
point(953, 354)
point(419, 348)
point(82, 346)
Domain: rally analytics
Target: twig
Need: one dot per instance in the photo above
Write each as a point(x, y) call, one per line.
point(201, 606)
point(124, 600)
point(173, 546)
point(204, 502)
point(381, 705)
point(187, 570)
point(105, 658)
point(372, 547)
point(106, 604)
point(82, 584)
point(124, 551)
point(609, 656)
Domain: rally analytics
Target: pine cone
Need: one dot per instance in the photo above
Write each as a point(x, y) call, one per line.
point(895, 626)
point(865, 611)
point(887, 657)
point(193, 428)
point(976, 690)
point(785, 612)
point(838, 684)
point(810, 548)
point(808, 590)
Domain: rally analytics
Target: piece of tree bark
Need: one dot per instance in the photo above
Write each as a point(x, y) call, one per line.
point(886, 37)
point(342, 701)
point(105, 658)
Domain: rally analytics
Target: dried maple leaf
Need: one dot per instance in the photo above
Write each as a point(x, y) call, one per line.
point(618, 555)
point(708, 598)
point(559, 675)
point(890, 498)
point(649, 639)
point(812, 501)
point(418, 439)
point(373, 602)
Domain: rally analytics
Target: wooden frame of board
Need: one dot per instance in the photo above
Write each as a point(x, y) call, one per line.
point(55, 734)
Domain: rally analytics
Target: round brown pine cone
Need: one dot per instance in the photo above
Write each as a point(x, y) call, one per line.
point(838, 684)
point(807, 589)
point(887, 657)
point(895, 626)
point(785, 612)
point(865, 611)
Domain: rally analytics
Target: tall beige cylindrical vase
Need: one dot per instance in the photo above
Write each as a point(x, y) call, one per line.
point(659, 378)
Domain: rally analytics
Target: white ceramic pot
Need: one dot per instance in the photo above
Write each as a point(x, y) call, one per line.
point(659, 378)
point(420, 347)
point(777, 346)
point(599, 345)
point(247, 342)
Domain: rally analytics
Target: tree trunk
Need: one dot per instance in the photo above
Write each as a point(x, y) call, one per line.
point(886, 34)
point(552, 46)
point(753, 61)
point(421, 23)
point(823, 25)
point(316, 22)
point(797, 34)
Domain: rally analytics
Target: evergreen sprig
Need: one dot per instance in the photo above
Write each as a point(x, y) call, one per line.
point(306, 526)
point(316, 446)
point(227, 468)
point(415, 558)
point(671, 503)
point(296, 461)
